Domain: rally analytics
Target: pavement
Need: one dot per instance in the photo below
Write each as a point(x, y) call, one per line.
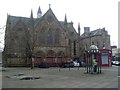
point(65, 78)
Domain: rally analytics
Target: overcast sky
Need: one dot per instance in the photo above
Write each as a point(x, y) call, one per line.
point(89, 13)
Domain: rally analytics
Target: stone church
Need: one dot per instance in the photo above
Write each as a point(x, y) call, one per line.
point(48, 39)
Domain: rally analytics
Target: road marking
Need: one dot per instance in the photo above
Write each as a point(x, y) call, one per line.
point(118, 76)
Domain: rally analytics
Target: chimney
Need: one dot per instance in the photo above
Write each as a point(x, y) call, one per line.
point(86, 29)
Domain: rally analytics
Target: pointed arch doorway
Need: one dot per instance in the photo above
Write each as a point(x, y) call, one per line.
point(60, 57)
point(50, 57)
point(39, 57)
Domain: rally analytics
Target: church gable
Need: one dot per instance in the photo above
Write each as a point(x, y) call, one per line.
point(49, 30)
point(48, 20)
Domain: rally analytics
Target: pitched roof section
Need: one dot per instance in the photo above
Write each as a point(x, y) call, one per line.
point(49, 16)
point(93, 33)
point(15, 19)
point(69, 26)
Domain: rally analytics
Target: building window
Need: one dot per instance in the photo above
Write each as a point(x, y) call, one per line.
point(70, 46)
point(41, 37)
point(50, 18)
point(74, 48)
point(69, 43)
point(57, 36)
point(49, 38)
point(104, 45)
point(86, 47)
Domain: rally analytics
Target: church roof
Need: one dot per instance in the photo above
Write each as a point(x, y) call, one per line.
point(15, 19)
point(49, 14)
point(69, 26)
point(49, 17)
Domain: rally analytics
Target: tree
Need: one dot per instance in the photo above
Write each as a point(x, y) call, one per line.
point(30, 40)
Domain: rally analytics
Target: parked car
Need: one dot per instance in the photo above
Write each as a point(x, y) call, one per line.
point(67, 64)
point(0, 64)
point(76, 64)
point(83, 64)
point(116, 63)
point(44, 65)
point(113, 62)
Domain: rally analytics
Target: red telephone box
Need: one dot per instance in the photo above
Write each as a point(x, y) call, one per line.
point(105, 57)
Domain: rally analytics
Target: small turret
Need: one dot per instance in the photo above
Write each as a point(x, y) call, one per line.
point(39, 13)
point(65, 19)
point(31, 16)
point(31, 21)
point(79, 29)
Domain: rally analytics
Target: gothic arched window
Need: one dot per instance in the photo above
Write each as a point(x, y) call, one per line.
point(49, 37)
point(41, 37)
point(69, 42)
point(57, 37)
point(74, 46)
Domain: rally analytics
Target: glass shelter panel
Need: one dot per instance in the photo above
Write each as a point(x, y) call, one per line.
point(104, 58)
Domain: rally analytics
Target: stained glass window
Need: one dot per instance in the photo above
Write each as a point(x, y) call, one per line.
point(41, 37)
point(49, 37)
point(57, 37)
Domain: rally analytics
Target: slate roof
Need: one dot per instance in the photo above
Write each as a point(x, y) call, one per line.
point(15, 19)
point(69, 26)
point(93, 33)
